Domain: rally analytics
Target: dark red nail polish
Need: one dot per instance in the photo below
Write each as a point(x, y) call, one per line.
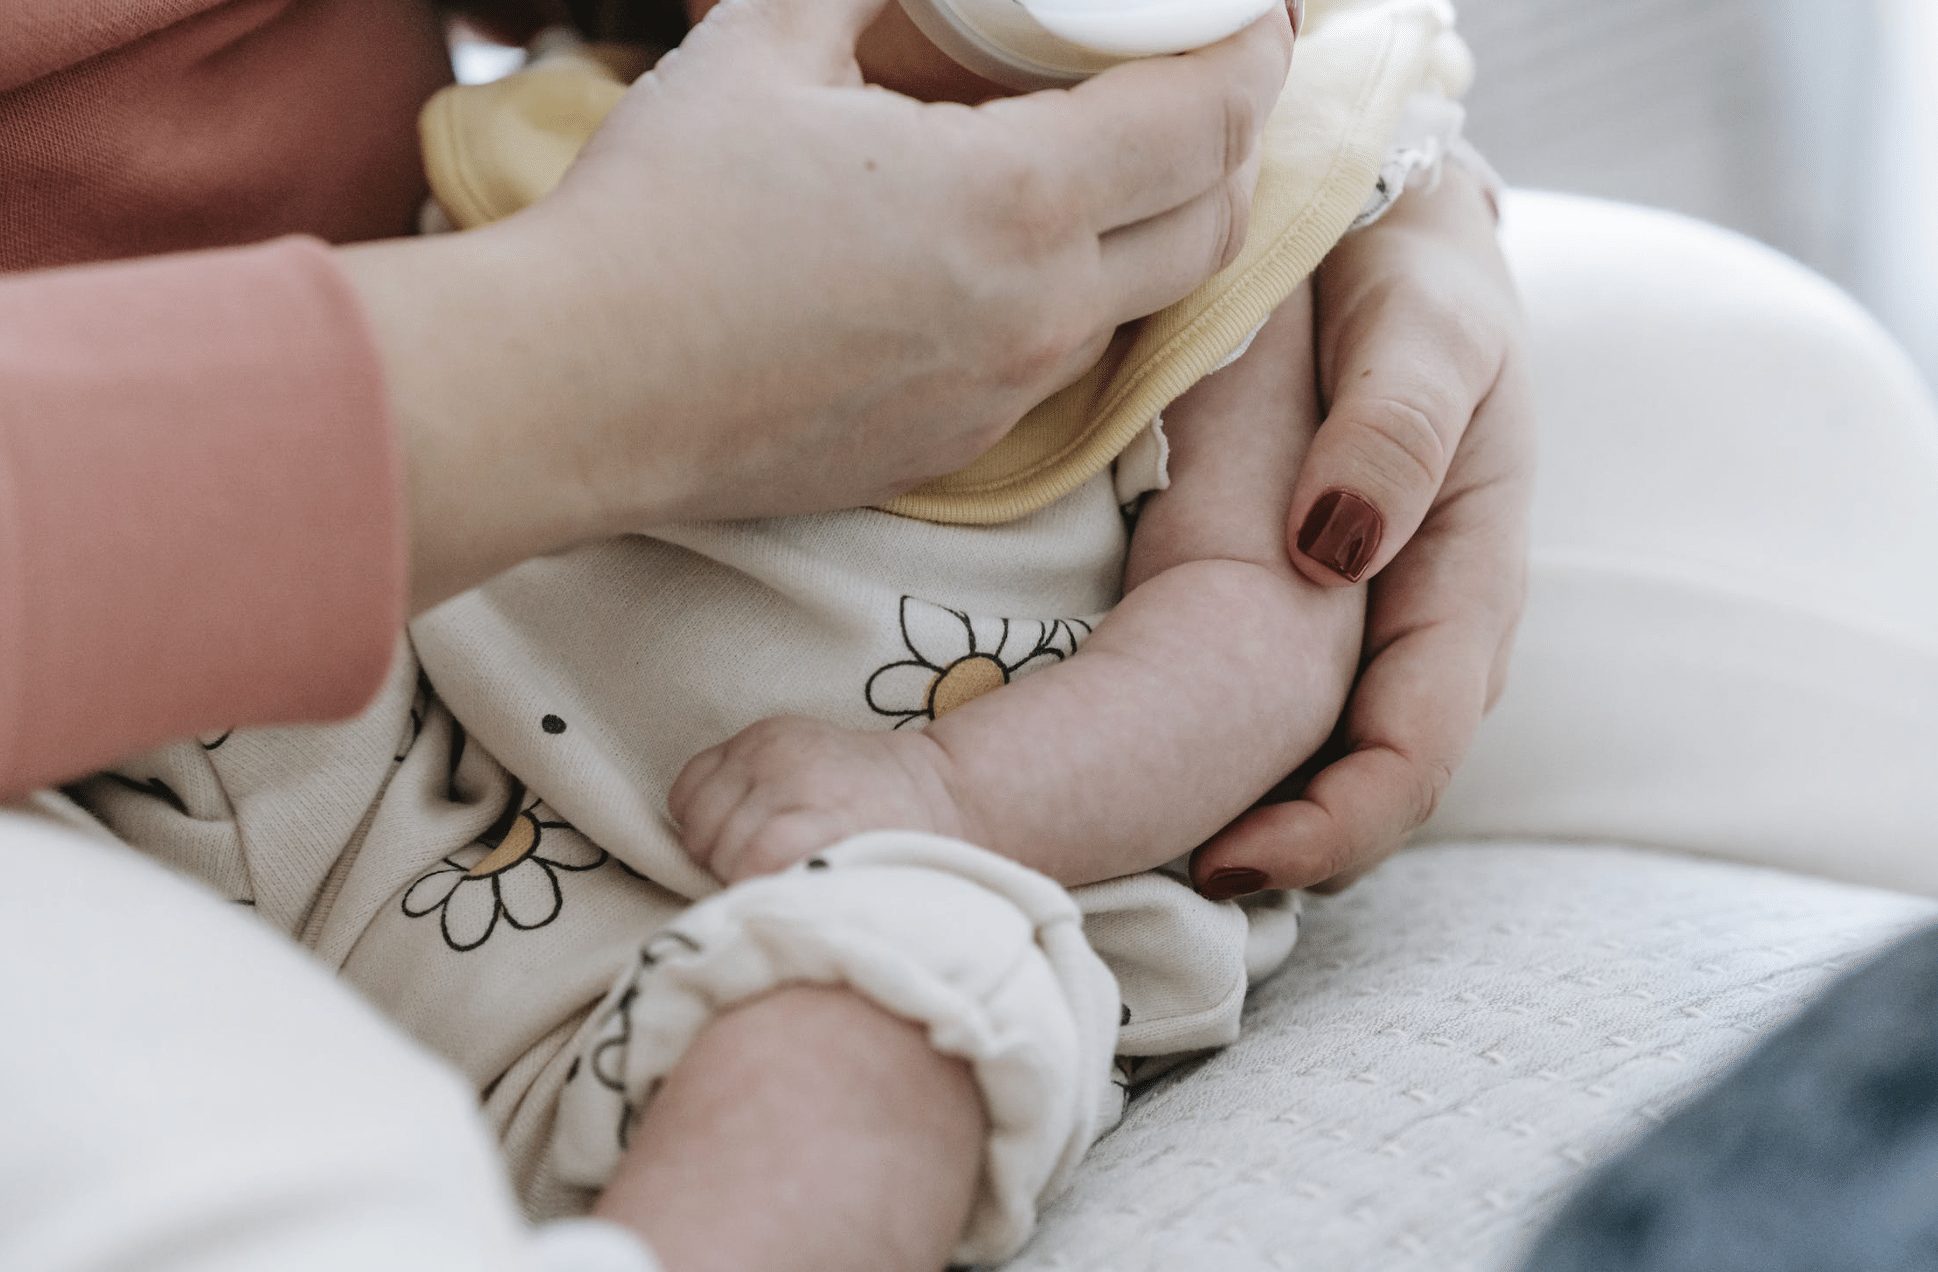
point(1342, 533)
point(1233, 882)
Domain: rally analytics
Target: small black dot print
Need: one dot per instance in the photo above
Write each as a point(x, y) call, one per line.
point(572, 1074)
point(552, 724)
point(817, 863)
point(1125, 1019)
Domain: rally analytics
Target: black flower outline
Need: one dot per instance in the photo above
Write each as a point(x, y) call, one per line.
point(955, 658)
point(511, 872)
point(608, 1056)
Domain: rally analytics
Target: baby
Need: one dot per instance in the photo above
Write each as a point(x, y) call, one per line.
point(945, 754)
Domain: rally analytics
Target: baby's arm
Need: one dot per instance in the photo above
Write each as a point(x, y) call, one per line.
point(1219, 672)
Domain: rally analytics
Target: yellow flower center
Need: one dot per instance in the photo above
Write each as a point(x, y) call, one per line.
point(964, 682)
point(518, 844)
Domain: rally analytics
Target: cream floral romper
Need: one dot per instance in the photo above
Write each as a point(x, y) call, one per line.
point(486, 852)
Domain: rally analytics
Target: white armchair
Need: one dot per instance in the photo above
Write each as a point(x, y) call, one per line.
point(1730, 651)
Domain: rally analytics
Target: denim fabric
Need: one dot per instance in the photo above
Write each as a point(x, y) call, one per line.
point(1818, 1153)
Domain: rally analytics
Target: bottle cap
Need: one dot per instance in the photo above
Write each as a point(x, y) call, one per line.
point(1032, 44)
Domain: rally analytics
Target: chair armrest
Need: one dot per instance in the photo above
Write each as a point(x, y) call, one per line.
point(1731, 643)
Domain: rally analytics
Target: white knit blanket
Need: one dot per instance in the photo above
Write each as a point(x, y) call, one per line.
point(1455, 1040)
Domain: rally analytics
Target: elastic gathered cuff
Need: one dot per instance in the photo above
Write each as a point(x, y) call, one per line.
point(989, 957)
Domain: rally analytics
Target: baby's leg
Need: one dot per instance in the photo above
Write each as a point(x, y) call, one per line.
point(768, 1141)
point(886, 1058)
point(807, 1129)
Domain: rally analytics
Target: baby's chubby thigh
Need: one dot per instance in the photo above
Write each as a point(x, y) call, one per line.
point(567, 987)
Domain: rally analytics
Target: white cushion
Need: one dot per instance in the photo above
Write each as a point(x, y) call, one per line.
point(1457, 1038)
point(1731, 641)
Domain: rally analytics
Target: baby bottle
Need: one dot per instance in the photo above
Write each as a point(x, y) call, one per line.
point(1031, 44)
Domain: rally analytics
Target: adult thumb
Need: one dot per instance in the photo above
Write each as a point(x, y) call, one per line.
point(804, 40)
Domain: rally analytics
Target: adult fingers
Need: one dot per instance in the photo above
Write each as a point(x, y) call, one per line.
point(808, 40)
point(1150, 136)
point(1414, 712)
point(1404, 378)
point(1160, 261)
point(1440, 623)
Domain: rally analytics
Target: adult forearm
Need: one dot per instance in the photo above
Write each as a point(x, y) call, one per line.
point(499, 405)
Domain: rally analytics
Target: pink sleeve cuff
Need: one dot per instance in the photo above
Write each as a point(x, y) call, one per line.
point(201, 512)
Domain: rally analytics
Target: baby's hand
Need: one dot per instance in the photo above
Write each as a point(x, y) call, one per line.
point(782, 790)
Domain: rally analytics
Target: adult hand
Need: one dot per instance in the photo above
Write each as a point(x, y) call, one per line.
point(766, 289)
point(1421, 480)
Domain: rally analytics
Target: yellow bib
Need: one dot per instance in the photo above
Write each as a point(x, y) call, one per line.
point(496, 148)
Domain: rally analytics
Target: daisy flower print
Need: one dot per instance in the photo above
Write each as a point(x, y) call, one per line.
point(954, 658)
point(510, 874)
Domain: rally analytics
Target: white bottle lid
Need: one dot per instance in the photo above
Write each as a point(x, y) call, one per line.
point(1031, 44)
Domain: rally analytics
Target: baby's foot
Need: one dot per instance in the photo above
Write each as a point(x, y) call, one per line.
point(784, 789)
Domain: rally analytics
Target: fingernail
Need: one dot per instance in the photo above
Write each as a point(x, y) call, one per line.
point(1342, 533)
point(1233, 882)
point(1298, 16)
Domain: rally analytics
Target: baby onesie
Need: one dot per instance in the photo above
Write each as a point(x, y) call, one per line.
point(492, 864)
point(486, 851)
